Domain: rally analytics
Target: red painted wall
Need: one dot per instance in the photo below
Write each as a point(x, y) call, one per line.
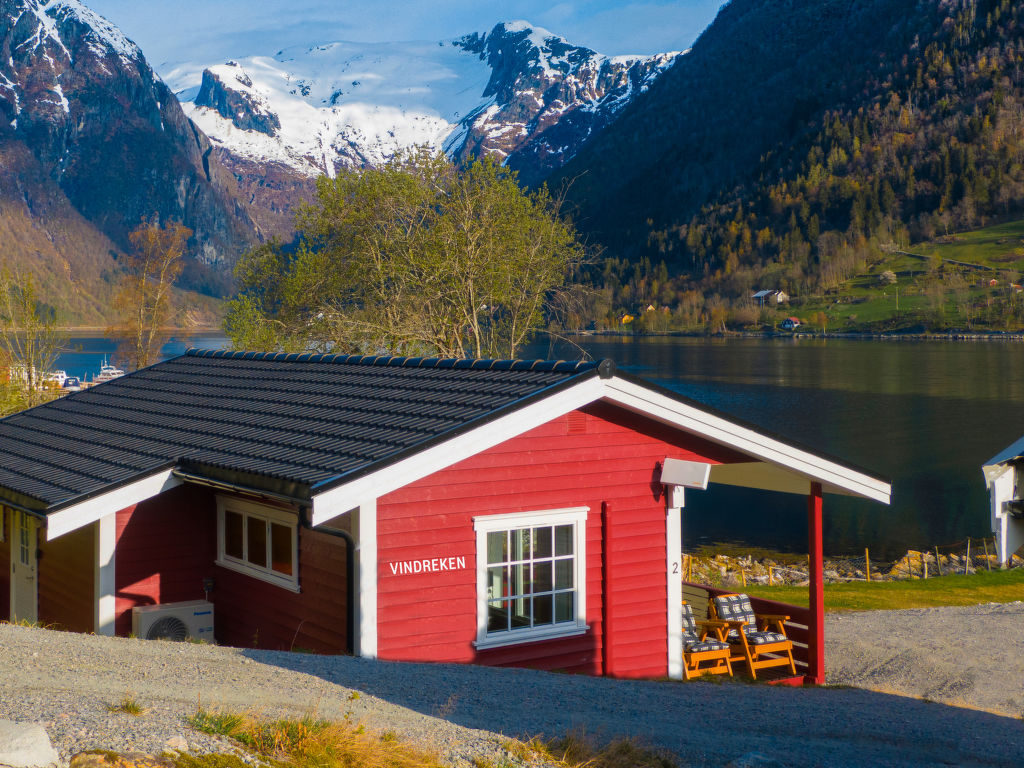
point(605, 455)
point(255, 614)
point(167, 545)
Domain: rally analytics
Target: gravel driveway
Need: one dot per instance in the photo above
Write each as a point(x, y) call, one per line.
point(66, 681)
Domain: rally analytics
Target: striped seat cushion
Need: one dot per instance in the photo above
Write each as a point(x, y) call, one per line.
point(693, 644)
point(763, 638)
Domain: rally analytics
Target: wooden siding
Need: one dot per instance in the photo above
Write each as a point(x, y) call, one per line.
point(165, 547)
point(66, 575)
point(6, 527)
point(600, 454)
point(256, 614)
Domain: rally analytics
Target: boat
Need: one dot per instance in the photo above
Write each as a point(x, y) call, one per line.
point(56, 377)
point(72, 384)
point(107, 373)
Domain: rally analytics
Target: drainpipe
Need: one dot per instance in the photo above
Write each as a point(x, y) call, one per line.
point(350, 574)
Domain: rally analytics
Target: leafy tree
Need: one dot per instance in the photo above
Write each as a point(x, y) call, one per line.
point(416, 257)
point(30, 343)
point(145, 309)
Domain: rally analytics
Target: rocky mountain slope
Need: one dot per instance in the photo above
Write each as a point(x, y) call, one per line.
point(798, 136)
point(518, 93)
point(98, 143)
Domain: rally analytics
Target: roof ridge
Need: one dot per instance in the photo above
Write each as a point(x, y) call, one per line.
point(606, 367)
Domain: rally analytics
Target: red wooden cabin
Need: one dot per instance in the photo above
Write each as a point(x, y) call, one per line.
point(493, 512)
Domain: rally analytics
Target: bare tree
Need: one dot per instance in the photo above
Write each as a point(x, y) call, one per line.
point(30, 342)
point(145, 309)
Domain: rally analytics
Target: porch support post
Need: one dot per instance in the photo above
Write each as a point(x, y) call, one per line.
point(816, 641)
point(103, 577)
point(365, 524)
point(673, 545)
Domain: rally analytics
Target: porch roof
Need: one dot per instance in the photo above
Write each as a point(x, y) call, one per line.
point(329, 431)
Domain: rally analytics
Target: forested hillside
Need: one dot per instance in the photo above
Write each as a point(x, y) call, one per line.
point(797, 137)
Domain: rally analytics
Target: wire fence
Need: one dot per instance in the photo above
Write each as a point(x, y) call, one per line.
point(962, 557)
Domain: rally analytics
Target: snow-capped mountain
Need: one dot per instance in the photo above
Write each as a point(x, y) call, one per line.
point(519, 93)
point(104, 136)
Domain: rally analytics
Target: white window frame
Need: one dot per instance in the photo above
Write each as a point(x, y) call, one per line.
point(484, 524)
point(253, 510)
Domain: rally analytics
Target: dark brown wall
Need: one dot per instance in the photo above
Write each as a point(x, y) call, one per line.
point(66, 580)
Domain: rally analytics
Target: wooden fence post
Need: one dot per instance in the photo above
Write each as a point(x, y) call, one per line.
point(938, 565)
point(988, 565)
point(967, 557)
point(867, 564)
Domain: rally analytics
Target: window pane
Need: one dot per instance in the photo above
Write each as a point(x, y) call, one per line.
point(497, 582)
point(233, 534)
point(563, 574)
point(542, 577)
point(542, 610)
point(497, 547)
point(521, 544)
point(542, 542)
point(281, 548)
point(563, 540)
point(564, 610)
point(521, 612)
point(520, 580)
point(497, 616)
point(256, 531)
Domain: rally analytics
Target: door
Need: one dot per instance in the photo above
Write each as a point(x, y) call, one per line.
point(23, 569)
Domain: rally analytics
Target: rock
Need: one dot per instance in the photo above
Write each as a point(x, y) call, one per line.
point(25, 745)
point(178, 743)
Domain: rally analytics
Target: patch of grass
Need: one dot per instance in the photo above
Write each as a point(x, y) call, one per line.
point(984, 587)
point(576, 750)
point(128, 705)
point(311, 742)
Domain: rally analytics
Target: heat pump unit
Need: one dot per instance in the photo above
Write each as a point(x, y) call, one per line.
point(191, 619)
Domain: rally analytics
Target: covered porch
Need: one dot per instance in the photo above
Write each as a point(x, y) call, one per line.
point(805, 626)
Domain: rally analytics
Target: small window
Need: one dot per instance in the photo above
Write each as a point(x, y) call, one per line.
point(258, 540)
point(530, 576)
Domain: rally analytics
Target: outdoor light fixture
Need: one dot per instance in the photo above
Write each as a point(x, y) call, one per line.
point(677, 474)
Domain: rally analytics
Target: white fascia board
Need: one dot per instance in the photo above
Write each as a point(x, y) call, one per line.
point(670, 411)
point(89, 511)
point(344, 497)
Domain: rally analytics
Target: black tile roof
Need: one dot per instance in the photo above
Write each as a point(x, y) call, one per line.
point(283, 423)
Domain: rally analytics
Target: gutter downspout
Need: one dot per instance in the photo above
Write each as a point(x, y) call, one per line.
point(350, 573)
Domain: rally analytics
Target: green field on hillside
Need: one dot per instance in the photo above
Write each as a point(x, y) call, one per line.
point(1000, 247)
point(935, 290)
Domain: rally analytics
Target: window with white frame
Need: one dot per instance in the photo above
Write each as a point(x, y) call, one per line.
point(258, 540)
point(531, 576)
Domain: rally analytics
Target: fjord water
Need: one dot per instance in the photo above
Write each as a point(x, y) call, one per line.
point(924, 414)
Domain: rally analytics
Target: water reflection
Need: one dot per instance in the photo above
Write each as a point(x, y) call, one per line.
point(924, 414)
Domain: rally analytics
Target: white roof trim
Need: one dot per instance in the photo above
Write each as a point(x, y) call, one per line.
point(835, 478)
point(667, 410)
point(89, 511)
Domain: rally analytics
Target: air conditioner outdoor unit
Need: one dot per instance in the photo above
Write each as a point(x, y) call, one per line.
point(174, 621)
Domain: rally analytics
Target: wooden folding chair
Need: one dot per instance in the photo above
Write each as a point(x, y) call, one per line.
point(698, 647)
point(759, 639)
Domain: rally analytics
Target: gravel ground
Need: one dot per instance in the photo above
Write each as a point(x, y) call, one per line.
point(67, 681)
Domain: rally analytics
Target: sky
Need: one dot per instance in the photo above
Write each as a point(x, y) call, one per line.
point(217, 30)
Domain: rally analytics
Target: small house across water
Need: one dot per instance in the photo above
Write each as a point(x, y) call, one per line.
point(496, 512)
